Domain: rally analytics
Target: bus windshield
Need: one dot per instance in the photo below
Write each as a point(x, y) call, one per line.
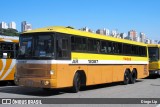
point(153, 54)
point(37, 46)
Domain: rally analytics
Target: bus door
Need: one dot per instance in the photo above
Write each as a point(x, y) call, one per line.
point(63, 53)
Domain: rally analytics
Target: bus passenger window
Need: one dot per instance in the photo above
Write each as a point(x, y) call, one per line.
point(103, 47)
point(73, 43)
point(109, 47)
point(63, 47)
point(98, 46)
point(7, 50)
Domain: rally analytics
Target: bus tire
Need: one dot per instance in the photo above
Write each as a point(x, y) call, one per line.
point(133, 77)
point(76, 83)
point(126, 77)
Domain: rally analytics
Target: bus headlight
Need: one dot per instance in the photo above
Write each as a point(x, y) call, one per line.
point(51, 72)
point(46, 82)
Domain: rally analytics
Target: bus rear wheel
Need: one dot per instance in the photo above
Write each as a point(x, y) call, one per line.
point(133, 77)
point(126, 77)
point(76, 83)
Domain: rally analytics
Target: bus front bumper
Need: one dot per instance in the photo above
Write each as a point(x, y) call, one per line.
point(36, 82)
point(154, 72)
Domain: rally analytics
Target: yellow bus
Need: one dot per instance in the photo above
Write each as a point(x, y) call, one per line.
point(58, 57)
point(8, 52)
point(154, 59)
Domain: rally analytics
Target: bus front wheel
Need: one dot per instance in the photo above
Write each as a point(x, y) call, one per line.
point(76, 83)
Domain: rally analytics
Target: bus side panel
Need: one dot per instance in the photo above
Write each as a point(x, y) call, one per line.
point(10, 76)
point(118, 72)
point(65, 74)
point(7, 69)
point(94, 75)
point(107, 73)
point(142, 71)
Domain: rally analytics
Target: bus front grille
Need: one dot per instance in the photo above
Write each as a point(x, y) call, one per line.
point(33, 70)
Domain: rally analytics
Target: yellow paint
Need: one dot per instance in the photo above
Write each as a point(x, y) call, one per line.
point(6, 69)
point(8, 63)
point(90, 56)
point(154, 45)
point(11, 74)
point(155, 65)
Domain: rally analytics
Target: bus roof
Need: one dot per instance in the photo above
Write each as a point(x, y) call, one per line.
point(9, 38)
point(153, 45)
point(66, 30)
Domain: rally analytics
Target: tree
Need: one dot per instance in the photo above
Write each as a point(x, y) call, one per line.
point(70, 27)
point(9, 32)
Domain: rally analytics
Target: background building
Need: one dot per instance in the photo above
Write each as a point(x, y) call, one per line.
point(86, 29)
point(152, 42)
point(132, 35)
point(103, 31)
point(142, 37)
point(114, 33)
point(156, 41)
point(12, 25)
point(99, 31)
point(148, 41)
point(138, 39)
point(106, 31)
point(25, 26)
point(123, 35)
point(3, 25)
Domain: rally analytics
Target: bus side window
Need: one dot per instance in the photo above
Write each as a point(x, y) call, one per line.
point(7, 50)
point(73, 43)
point(63, 48)
point(103, 47)
point(109, 47)
point(84, 44)
point(16, 49)
point(98, 46)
